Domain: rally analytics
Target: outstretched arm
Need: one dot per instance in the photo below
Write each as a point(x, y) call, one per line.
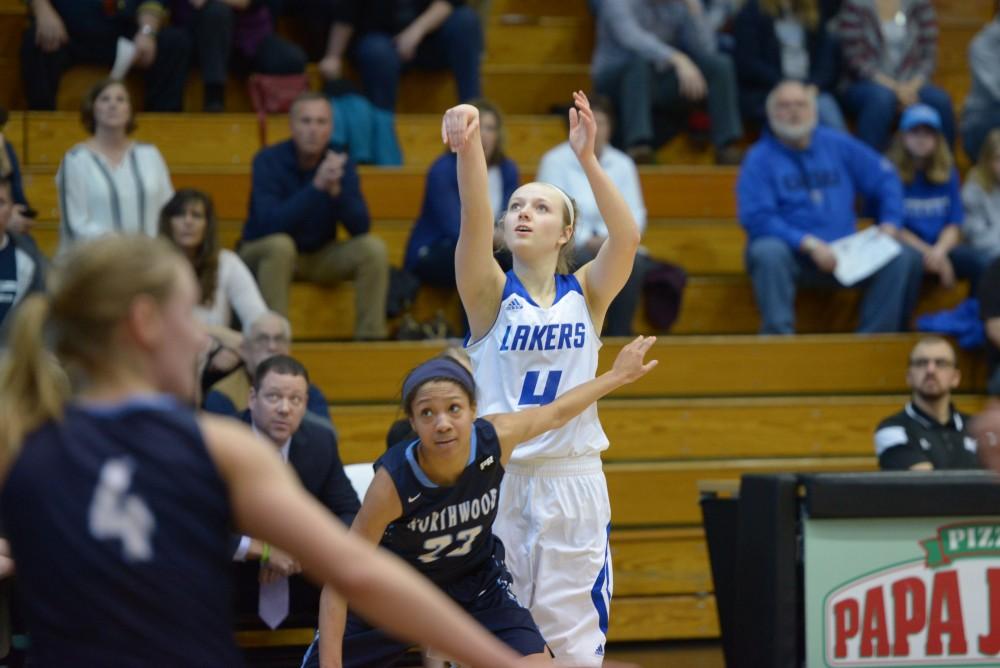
point(381, 506)
point(603, 278)
point(516, 428)
point(269, 503)
point(480, 279)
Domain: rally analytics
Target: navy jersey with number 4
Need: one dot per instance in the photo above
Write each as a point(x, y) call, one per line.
point(446, 532)
point(120, 523)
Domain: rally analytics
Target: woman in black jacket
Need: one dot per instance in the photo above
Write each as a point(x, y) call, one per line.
point(785, 39)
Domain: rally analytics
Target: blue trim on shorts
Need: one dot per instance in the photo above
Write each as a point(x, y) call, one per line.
point(601, 585)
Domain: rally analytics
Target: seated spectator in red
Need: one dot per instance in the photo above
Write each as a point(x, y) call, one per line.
point(891, 51)
point(22, 267)
point(560, 167)
point(243, 29)
point(20, 222)
point(64, 33)
point(301, 192)
point(388, 36)
point(430, 252)
point(277, 406)
point(929, 433)
point(110, 184)
point(227, 286)
point(777, 40)
point(651, 55)
point(932, 201)
point(981, 199)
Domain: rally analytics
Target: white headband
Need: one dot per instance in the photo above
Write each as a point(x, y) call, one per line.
point(568, 201)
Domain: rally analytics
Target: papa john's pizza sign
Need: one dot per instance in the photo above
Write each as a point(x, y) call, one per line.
point(941, 608)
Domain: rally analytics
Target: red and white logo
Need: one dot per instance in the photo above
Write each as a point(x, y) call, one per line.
point(940, 610)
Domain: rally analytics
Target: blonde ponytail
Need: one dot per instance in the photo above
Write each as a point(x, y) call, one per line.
point(68, 335)
point(33, 387)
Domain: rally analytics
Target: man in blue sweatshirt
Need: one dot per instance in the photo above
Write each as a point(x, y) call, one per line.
point(796, 194)
point(301, 191)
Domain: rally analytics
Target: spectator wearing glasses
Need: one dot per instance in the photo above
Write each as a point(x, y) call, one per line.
point(267, 336)
point(929, 433)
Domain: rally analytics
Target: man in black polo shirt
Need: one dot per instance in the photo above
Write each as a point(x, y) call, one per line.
point(928, 433)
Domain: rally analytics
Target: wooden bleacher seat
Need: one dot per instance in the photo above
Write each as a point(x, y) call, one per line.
point(396, 193)
point(692, 366)
point(683, 429)
point(223, 140)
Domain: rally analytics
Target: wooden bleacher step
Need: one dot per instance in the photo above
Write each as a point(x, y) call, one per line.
point(690, 367)
point(692, 429)
point(224, 140)
point(693, 192)
point(702, 247)
point(711, 305)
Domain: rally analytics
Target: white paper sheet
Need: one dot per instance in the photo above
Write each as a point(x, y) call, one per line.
point(862, 254)
point(124, 57)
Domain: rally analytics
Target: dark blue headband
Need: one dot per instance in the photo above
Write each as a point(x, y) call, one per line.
point(439, 367)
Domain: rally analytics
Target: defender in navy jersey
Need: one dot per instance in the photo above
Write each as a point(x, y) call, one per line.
point(434, 500)
point(118, 500)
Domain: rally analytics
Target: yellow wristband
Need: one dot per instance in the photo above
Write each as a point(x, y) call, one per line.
point(265, 553)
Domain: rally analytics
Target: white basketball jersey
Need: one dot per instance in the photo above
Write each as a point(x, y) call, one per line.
point(532, 355)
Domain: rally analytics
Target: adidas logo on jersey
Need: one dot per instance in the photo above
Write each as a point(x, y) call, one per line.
point(599, 651)
point(513, 305)
point(486, 462)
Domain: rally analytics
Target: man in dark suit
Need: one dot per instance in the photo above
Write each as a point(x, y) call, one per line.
point(277, 405)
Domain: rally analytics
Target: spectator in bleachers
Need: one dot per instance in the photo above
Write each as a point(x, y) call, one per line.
point(932, 200)
point(268, 335)
point(67, 32)
point(242, 28)
point(276, 411)
point(981, 199)
point(981, 112)
point(109, 183)
point(929, 433)
point(22, 267)
point(796, 194)
point(20, 220)
point(654, 55)
point(388, 36)
point(891, 51)
point(785, 39)
point(720, 15)
point(301, 192)
point(314, 19)
point(227, 286)
point(989, 312)
point(430, 252)
point(560, 167)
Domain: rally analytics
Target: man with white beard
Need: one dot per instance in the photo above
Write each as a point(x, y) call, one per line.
point(796, 194)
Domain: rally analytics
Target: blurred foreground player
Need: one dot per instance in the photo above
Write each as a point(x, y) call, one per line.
point(118, 499)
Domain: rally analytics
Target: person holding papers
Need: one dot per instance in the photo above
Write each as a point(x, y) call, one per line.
point(796, 194)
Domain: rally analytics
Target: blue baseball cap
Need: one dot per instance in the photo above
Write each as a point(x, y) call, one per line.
point(920, 114)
